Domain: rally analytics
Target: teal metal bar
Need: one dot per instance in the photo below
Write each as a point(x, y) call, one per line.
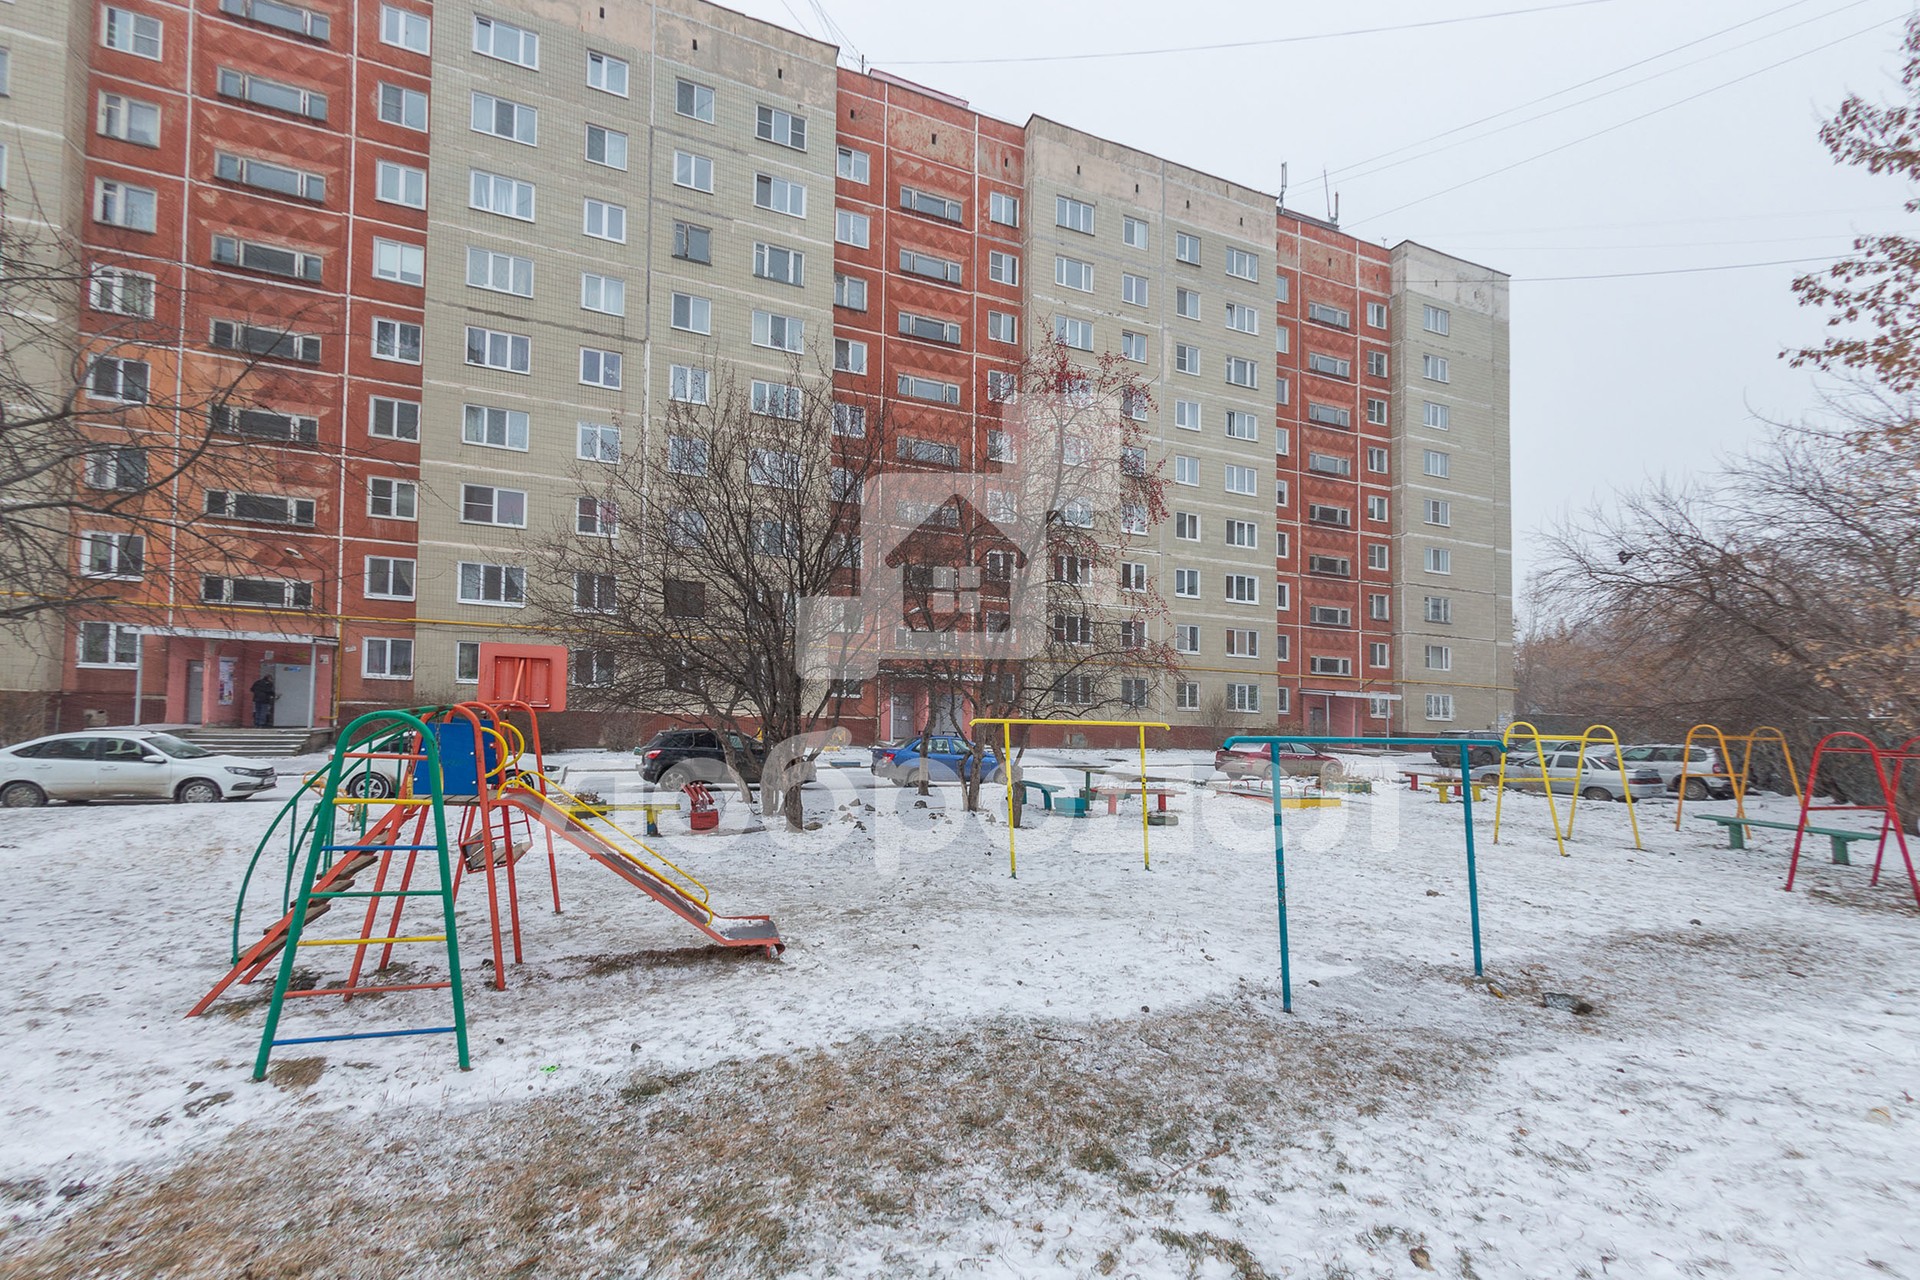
point(1280, 838)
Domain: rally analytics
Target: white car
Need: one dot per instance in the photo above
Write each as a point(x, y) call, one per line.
point(124, 764)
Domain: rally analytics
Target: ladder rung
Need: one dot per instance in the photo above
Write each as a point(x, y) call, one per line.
point(368, 991)
point(378, 893)
point(367, 1035)
point(398, 804)
point(369, 942)
point(379, 848)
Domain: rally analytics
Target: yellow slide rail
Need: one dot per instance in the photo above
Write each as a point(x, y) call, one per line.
point(1766, 733)
point(698, 893)
point(1006, 769)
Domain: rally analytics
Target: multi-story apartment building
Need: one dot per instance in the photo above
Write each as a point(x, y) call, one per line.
point(1452, 491)
point(461, 270)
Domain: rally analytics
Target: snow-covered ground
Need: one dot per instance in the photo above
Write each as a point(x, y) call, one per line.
point(1738, 1101)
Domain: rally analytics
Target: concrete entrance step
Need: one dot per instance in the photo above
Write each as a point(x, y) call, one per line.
point(250, 742)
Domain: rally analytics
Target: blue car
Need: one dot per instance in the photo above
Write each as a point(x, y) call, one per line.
point(947, 754)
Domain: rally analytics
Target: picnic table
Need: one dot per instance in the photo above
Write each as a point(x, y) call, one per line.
point(1114, 794)
point(1737, 833)
point(1447, 787)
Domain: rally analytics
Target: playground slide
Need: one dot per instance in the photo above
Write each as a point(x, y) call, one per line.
point(730, 931)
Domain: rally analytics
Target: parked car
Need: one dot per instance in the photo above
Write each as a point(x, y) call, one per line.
point(1599, 780)
point(1255, 760)
point(124, 764)
point(674, 757)
point(948, 756)
point(1707, 777)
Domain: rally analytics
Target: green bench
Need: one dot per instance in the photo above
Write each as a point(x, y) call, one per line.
point(1737, 833)
point(1053, 796)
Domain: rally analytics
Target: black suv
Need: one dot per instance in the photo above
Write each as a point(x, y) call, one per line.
point(674, 757)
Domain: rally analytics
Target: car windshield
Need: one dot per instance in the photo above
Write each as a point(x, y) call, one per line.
point(178, 748)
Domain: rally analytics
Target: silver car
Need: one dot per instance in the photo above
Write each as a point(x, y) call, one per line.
point(1598, 780)
point(1706, 776)
point(124, 764)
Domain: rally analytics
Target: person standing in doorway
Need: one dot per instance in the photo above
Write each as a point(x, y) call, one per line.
point(263, 696)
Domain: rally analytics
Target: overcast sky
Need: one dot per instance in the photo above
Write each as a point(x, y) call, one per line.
point(1614, 379)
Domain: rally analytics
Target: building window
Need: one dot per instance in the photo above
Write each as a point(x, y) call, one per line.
point(1377, 507)
point(687, 456)
point(1186, 303)
point(1436, 463)
point(1069, 332)
point(107, 644)
point(278, 14)
point(1439, 560)
point(1133, 233)
point(404, 185)
point(1378, 556)
point(850, 228)
point(112, 555)
point(606, 146)
point(492, 584)
point(493, 193)
point(1439, 512)
point(1244, 265)
point(120, 204)
point(594, 518)
point(775, 399)
point(777, 195)
point(117, 378)
point(1186, 696)
point(390, 419)
point(494, 427)
point(397, 104)
point(850, 421)
point(853, 165)
point(1003, 327)
point(1439, 706)
point(687, 384)
point(1241, 479)
point(1379, 655)
point(771, 124)
point(1186, 638)
point(1437, 416)
point(1186, 248)
point(401, 263)
point(779, 264)
point(598, 442)
point(1434, 368)
point(397, 340)
point(1376, 315)
point(272, 259)
point(1187, 415)
point(1242, 642)
point(493, 349)
point(1329, 415)
point(121, 292)
point(508, 43)
point(502, 119)
point(1330, 366)
point(933, 389)
point(1243, 533)
point(131, 120)
point(1436, 320)
point(781, 333)
point(1379, 606)
point(1242, 373)
point(692, 314)
point(499, 272)
point(604, 294)
point(130, 32)
point(1282, 395)
point(693, 171)
point(922, 264)
point(1242, 319)
point(277, 344)
point(1376, 411)
point(1186, 359)
point(693, 100)
point(1282, 341)
point(913, 200)
point(485, 504)
point(1242, 697)
point(1439, 657)
point(1325, 313)
point(393, 499)
point(389, 578)
point(1071, 273)
point(1377, 461)
point(1377, 363)
point(600, 368)
point(849, 356)
point(1003, 268)
point(384, 659)
point(405, 30)
point(1074, 215)
point(1003, 209)
point(1242, 425)
point(1329, 465)
point(692, 243)
point(607, 73)
point(466, 662)
point(1242, 588)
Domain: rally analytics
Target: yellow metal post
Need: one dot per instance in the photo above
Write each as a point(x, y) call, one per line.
point(1006, 767)
point(1006, 731)
point(1146, 850)
point(1540, 754)
point(1619, 759)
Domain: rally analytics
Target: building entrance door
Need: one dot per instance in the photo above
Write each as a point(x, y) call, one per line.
point(196, 691)
point(293, 682)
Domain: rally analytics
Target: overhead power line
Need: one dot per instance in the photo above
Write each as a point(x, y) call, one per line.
point(1238, 44)
point(1644, 115)
point(1630, 275)
point(1347, 171)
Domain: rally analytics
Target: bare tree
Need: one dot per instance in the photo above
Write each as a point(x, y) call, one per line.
point(679, 578)
point(101, 419)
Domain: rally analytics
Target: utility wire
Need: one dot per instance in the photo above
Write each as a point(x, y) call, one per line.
point(1239, 44)
point(1693, 97)
point(1628, 275)
point(1347, 170)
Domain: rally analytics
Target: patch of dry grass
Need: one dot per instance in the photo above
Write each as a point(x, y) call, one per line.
point(761, 1167)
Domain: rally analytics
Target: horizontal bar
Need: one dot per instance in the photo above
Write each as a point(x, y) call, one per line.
point(368, 991)
point(382, 755)
point(367, 1035)
point(1376, 742)
point(356, 800)
point(369, 942)
point(379, 893)
point(1091, 724)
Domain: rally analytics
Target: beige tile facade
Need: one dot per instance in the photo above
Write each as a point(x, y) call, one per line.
point(1454, 614)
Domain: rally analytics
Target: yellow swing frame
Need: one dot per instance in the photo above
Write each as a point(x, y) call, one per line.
point(1006, 768)
point(1747, 741)
point(1596, 733)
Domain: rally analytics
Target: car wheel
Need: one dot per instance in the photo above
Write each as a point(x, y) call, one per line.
point(1596, 793)
point(676, 778)
point(1696, 789)
point(197, 791)
point(22, 795)
point(370, 786)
